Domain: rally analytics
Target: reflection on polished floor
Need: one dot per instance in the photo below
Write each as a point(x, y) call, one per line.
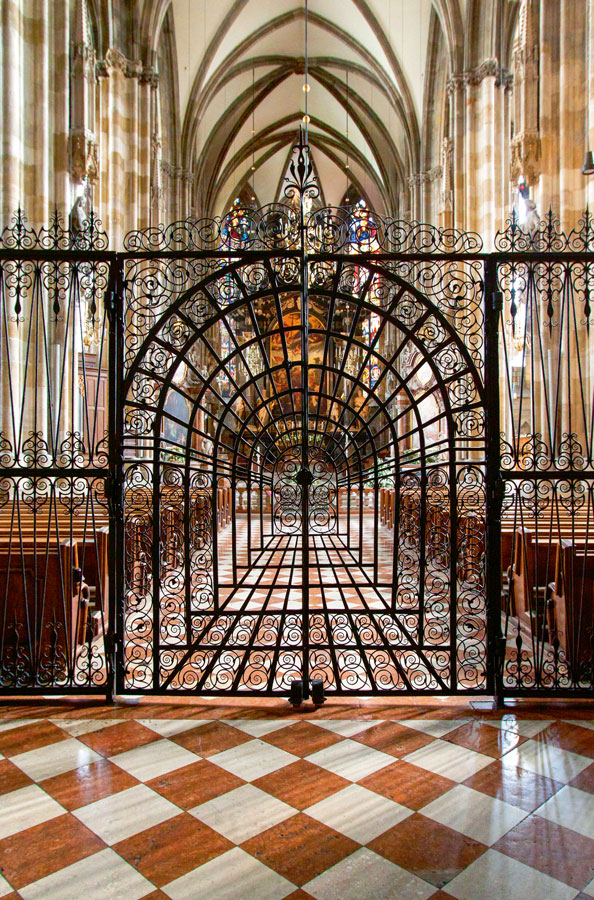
point(356, 801)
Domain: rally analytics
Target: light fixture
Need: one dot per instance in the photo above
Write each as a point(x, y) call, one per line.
point(588, 167)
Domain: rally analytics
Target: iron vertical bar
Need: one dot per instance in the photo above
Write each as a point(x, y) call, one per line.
point(115, 311)
point(304, 445)
point(494, 484)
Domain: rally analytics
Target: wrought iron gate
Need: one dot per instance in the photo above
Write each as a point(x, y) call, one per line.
point(304, 473)
point(267, 448)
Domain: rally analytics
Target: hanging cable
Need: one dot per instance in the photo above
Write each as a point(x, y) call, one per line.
point(346, 163)
point(253, 134)
point(306, 74)
point(588, 167)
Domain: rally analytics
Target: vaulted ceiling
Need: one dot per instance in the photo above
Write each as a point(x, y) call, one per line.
point(240, 76)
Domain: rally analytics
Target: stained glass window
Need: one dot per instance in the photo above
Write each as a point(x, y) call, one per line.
point(235, 228)
point(370, 328)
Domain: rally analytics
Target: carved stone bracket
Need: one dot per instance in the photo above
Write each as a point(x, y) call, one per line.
point(525, 156)
point(84, 157)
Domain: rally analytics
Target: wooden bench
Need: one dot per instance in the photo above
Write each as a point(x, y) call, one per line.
point(44, 600)
point(570, 605)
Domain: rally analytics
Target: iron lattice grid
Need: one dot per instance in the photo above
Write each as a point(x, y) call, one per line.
point(443, 623)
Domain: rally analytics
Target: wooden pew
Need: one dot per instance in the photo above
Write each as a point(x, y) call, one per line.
point(42, 589)
point(571, 602)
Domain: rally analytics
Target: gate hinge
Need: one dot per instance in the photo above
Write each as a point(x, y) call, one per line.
point(497, 300)
point(113, 497)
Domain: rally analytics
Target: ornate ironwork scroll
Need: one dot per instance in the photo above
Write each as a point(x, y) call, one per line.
point(547, 458)
point(54, 458)
point(275, 363)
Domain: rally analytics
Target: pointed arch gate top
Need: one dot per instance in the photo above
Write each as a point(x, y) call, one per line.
point(291, 466)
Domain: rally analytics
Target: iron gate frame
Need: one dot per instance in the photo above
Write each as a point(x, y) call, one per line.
point(18, 246)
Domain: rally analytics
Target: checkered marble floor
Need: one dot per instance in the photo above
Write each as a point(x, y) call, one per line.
point(415, 805)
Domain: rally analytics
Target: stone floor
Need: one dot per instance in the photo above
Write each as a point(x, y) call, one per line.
point(356, 801)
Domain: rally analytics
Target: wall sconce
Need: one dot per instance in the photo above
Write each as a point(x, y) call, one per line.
point(588, 167)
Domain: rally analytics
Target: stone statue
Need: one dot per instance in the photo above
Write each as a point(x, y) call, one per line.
point(78, 216)
point(532, 219)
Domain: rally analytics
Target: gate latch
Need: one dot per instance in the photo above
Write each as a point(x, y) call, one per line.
point(304, 478)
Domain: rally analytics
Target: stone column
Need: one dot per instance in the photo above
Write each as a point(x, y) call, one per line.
point(572, 110)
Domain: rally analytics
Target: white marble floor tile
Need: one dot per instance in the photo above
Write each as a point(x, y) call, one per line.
point(5, 888)
point(152, 760)
point(474, 814)
point(26, 807)
point(55, 759)
point(9, 724)
point(252, 760)
point(365, 875)
point(126, 813)
point(571, 808)
point(589, 889)
point(434, 727)
point(350, 759)
point(527, 728)
point(103, 876)
point(167, 727)
point(346, 727)
point(259, 727)
point(76, 727)
point(494, 876)
point(449, 760)
point(234, 875)
point(561, 765)
point(360, 814)
point(242, 813)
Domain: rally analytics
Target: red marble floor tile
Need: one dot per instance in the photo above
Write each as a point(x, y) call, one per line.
point(206, 740)
point(559, 852)
point(392, 738)
point(513, 785)
point(88, 783)
point(300, 848)
point(302, 739)
point(407, 784)
point(301, 784)
point(569, 737)
point(429, 850)
point(154, 895)
point(119, 738)
point(11, 778)
point(171, 849)
point(15, 896)
point(485, 739)
point(30, 737)
point(43, 849)
point(585, 780)
point(440, 895)
point(194, 784)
